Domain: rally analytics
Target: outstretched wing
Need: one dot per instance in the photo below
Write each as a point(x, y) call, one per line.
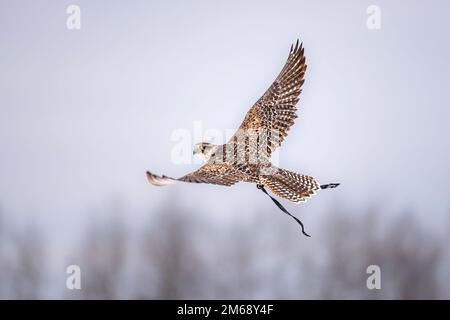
point(290, 185)
point(213, 173)
point(274, 113)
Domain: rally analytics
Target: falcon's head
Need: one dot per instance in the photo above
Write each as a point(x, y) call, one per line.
point(204, 150)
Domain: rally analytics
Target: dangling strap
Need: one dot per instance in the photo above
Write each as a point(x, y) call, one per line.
point(279, 205)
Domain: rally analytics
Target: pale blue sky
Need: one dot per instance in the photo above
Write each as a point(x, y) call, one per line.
point(83, 114)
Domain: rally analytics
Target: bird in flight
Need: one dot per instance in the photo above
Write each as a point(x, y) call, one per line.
point(246, 156)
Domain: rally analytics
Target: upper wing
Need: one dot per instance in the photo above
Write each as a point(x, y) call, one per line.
point(274, 113)
point(214, 173)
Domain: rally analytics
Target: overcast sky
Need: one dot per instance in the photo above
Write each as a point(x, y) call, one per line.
point(84, 113)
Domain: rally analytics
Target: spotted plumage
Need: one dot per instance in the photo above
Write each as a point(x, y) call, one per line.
point(246, 156)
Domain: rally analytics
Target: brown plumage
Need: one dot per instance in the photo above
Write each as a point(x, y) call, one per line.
point(246, 156)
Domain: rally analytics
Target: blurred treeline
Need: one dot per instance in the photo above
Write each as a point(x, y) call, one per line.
point(179, 254)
